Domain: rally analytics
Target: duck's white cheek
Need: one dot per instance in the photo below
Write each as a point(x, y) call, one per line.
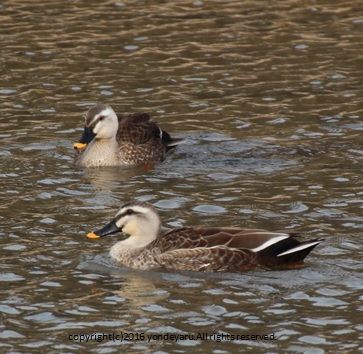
point(129, 228)
point(97, 128)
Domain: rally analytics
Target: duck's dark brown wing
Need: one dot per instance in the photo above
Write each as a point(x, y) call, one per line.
point(217, 258)
point(137, 129)
point(234, 237)
point(269, 248)
point(135, 117)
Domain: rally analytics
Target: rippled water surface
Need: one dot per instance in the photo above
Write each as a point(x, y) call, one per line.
point(269, 97)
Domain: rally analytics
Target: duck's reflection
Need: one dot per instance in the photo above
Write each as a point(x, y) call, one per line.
point(139, 289)
point(111, 178)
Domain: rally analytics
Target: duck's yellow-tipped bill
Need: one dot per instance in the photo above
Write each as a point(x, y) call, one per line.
point(79, 146)
point(93, 235)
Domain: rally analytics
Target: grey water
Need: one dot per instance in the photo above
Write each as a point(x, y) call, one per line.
point(268, 95)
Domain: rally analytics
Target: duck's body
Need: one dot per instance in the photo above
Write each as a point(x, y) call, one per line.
point(112, 140)
point(198, 248)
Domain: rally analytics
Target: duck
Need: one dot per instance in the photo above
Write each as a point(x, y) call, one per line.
point(198, 248)
point(109, 139)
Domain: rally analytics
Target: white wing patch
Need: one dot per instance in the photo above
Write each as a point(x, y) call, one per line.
point(276, 239)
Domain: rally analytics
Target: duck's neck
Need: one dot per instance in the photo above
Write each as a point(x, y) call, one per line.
point(135, 242)
point(129, 248)
point(104, 144)
point(142, 235)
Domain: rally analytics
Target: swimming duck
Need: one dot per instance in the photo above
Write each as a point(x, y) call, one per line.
point(208, 249)
point(109, 139)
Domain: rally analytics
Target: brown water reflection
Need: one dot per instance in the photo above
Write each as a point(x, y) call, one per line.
point(268, 95)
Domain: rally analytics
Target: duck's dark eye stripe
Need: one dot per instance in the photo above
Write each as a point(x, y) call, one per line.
point(126, 212)
point(93, 123)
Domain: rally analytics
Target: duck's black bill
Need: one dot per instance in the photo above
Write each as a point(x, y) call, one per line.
point(87, 136)
point(109, 229)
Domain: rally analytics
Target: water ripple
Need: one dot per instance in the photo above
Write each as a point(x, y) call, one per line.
point(268, 96)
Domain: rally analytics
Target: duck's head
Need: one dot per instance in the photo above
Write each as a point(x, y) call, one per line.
point(101, 123)
point(137, 219)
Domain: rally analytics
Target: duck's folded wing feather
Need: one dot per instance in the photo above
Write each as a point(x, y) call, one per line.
point(137, 129)
point(234, 237)
point(208, 259)
point(134, 117)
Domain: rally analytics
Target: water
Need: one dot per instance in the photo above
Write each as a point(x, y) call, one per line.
point(268, 96)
